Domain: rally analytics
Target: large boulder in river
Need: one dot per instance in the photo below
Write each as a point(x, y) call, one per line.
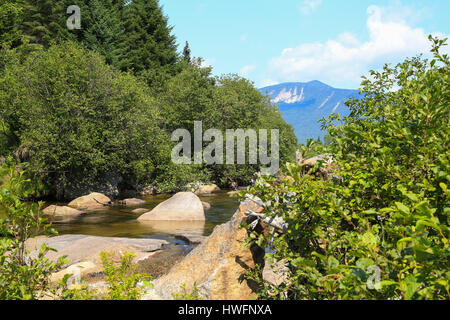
point(184, 206)
point(92, 201)
point(217, 266)
point(58, 213)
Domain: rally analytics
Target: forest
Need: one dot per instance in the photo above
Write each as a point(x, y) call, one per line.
point(99, 104)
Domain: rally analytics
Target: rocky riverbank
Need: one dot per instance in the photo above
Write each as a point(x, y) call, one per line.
point(216, 264)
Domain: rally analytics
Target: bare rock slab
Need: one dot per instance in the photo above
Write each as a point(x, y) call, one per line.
point(79, 248)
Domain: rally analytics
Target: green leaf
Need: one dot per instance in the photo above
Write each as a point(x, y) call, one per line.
point(369, 240)
point(402, 208)
point(409, 286)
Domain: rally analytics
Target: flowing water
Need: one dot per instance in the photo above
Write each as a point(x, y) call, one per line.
point(120, 221)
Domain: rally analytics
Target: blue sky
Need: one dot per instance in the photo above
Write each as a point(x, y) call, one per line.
point(334, 41)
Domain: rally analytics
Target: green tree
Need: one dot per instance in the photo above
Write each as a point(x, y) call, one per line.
point(103, 30)
point(11, 17)
point(151, 48)
point(78, 117)
point(43, 21)
point(187, 53)
point(227, 102)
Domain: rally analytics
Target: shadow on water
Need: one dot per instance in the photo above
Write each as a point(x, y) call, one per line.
point(120, 221)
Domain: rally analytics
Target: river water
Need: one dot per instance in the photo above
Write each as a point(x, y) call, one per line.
point(120, 221)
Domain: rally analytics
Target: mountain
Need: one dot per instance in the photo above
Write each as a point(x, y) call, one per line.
point(303, 104)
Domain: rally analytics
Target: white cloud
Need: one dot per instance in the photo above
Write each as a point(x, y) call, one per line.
point(246, 70)
point(267, 83)
point(244, 37)
point(309, 6)
point(209, 62)
point(346, 58)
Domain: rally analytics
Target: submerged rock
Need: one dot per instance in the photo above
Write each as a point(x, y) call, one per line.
point(184, 206)
point(132, 202)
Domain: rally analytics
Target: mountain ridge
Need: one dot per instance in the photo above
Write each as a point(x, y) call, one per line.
point(303, 104)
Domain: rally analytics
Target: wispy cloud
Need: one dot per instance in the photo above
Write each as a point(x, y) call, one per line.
point(309, 6)
point(345, 59)
point(209, 62)
point(245, 70)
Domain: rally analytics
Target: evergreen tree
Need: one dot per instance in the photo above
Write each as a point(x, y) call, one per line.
point(149, 42)
point(11, 17)
point(187, 53)
point(43, 21)
point(103, 30)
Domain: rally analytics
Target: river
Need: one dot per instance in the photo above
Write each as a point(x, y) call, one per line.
point(120, 221)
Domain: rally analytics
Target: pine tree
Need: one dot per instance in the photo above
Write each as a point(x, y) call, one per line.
point(43, 21)
point(103, 31)
point(187, 53)
point(149, 42)
point(11, 17)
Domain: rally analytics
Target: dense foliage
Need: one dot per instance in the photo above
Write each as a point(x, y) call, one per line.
point(22, 277)
point(102, 101)
point(78, 118)
point(378, 229)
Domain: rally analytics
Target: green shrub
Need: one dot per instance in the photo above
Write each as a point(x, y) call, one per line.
point(122, 281)
point(186, 295)
point(379, 228)
point(21, 276)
